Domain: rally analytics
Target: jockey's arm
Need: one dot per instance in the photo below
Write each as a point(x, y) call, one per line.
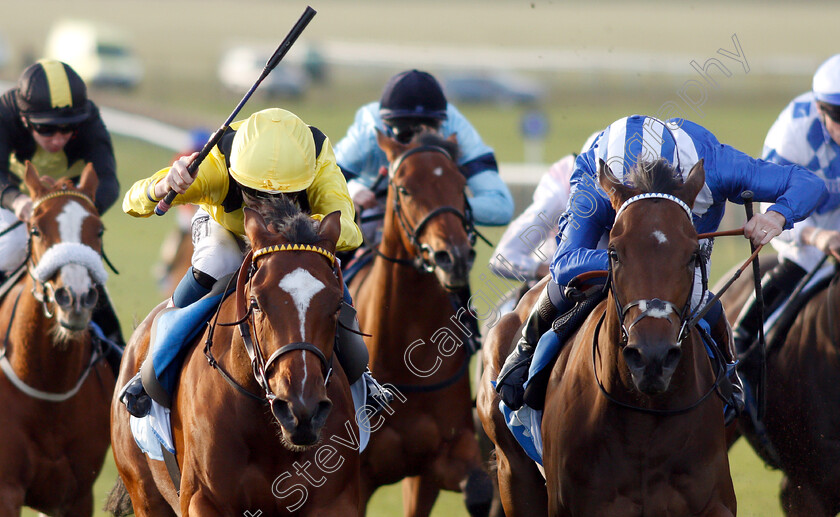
point(587, 219)
point(491, 202)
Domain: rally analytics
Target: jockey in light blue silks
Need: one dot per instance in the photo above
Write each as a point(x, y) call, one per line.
point(410, 101)
point(806, 133)
point(624, 144)
point(413, 101)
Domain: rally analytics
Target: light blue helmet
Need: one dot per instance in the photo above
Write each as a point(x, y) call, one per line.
point(827, 81)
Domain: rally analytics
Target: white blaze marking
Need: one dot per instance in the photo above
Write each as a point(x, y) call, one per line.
point(657, 313)
point(302, 286)
point(438, 171)
point(660, 237)
point(70, 222)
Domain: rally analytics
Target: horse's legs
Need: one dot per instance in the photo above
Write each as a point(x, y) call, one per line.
point(521, 487)
point(419, 494)
point(801, 500)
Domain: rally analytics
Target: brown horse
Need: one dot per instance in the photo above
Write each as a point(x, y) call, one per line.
point(802, 396)
point(631, 426)
point(280, 436)
point(54, 389)
point(428, 438)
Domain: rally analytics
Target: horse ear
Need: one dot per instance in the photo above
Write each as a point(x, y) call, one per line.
point(330, 228)
point(693, 183)
point(32, 180)
point(391, 147)
point(255, 227)
point(89, 181)
point(617, 191)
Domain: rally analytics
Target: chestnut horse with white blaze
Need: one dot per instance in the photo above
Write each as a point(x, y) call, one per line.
point(417, 344)
point(632, 425)
point(273, 431)
point(54, 387)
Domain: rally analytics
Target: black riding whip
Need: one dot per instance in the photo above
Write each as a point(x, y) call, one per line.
point(165, 203)
point(760, 398)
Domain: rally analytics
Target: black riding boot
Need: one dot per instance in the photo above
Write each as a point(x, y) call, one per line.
point(776, 284)
point(514, 372)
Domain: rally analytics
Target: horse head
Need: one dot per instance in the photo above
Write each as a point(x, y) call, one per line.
point(653, 252)
point(430, 210)
point(294, 295)
point(65, 241)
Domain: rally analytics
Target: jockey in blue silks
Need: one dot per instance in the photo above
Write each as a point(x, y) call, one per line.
point(795, 191)
point(411, 102)
point(807, 133)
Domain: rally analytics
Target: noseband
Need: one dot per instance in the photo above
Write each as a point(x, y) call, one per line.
point(422, 252)
point(61, 254)
point(653, 307)
point(245, 320)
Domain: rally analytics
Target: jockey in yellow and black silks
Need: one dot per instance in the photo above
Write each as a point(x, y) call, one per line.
point(47, 119)
point(272, 152)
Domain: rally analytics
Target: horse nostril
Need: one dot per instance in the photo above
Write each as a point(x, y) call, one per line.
point(283, 413)
point(443, 260)
point(672, 357)
point(90, 298)
point(633, 357)
point(63, 297)
point(319, 417)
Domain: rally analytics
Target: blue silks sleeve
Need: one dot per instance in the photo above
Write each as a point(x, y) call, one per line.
point(587, 219)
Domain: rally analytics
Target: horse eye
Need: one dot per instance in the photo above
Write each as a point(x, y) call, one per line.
point(255, 305)
point(35, 232)
point(613, 255)
point(404, 191)
point(101, 232)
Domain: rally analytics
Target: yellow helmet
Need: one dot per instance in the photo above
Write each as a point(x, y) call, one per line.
point(273, 151)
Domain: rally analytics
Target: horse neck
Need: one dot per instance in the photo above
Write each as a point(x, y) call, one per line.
point(32, 349)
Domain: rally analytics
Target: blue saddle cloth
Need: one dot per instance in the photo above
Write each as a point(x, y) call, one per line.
point(173, 330)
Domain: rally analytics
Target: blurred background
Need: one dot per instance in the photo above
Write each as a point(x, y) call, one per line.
point(534, 77)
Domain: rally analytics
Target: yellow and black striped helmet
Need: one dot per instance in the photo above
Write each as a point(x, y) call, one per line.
point(50, 92)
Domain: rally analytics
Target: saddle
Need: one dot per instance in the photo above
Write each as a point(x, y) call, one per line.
point(172, 330)
point(563, 326)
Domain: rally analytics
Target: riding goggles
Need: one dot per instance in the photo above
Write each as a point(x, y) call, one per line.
point(51, 129)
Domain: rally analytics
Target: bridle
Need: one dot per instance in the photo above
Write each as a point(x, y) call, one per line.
point(651, 307)
point(422, 252)
point(655, 305)
point(40, 273)
point(245, 321)
point(61, 254)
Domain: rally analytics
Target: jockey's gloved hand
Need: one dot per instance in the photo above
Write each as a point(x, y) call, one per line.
point(510, 384)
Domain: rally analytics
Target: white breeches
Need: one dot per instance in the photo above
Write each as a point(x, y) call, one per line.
point(218, 252)
point(13, 244)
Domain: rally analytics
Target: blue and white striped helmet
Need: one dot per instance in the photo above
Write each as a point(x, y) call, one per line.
point(827, 81)
point(631, 140)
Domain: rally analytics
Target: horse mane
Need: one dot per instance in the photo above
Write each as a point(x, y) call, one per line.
point(437, 140)
point(283, 216)
point(656, 176)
